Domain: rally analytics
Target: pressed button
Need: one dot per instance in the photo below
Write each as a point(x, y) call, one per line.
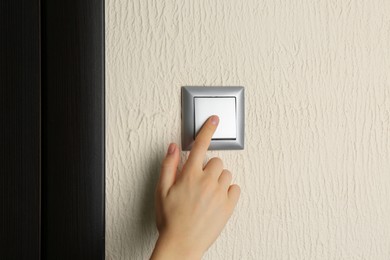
point(224, 108)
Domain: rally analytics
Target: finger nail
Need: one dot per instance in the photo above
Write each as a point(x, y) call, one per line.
point(171, 148)
point(214, 120)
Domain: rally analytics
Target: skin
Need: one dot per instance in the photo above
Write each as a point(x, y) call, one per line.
point(194, 205)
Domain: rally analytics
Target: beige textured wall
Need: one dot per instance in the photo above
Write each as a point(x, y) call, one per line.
point(315, 172)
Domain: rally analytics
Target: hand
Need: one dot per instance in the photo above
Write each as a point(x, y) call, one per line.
point(192, 207)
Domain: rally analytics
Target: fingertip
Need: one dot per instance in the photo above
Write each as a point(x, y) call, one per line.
point(214, 119)
point(169, 168)
point(234, 193)
point(171, 148)
point(235, 188)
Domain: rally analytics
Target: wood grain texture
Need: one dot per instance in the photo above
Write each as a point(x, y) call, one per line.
point(73, 166)
point(20, 130)
point(315, 173)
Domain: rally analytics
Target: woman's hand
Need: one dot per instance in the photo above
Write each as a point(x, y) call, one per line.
point(192, 206)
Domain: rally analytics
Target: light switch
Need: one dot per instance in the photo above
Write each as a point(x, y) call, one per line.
point(199, 103)
point(224, 108)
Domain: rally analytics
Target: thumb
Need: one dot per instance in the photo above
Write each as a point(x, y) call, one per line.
point(168, 169)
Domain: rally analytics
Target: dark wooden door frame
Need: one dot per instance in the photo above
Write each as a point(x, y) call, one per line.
point(73, 129)
point(52, 129)
point(20, 127)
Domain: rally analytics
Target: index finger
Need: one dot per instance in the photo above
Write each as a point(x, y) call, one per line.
point(202, 141)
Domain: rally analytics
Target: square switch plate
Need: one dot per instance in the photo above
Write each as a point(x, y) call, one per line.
point(199, 103)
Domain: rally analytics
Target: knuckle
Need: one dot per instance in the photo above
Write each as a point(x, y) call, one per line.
point(228, 174)
point(205, 133)
point(199, 144)
point(188, 167)
point(207, 185)
point(225, 178)
point(217, 161)
point(165, 164)
point(236, 189)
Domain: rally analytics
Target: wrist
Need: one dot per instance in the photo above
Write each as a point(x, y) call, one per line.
point(168, 247)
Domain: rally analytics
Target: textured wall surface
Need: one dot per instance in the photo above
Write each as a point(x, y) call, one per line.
point(315, 172)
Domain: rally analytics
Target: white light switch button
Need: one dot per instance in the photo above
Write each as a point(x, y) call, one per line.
point(224, 108)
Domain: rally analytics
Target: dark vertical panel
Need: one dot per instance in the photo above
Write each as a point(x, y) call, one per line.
point(73, 129)
point(19, 129)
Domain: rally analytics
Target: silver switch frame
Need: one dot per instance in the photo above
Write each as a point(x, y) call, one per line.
point(188, 94)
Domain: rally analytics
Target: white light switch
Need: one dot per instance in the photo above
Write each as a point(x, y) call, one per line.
point(224, 108)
